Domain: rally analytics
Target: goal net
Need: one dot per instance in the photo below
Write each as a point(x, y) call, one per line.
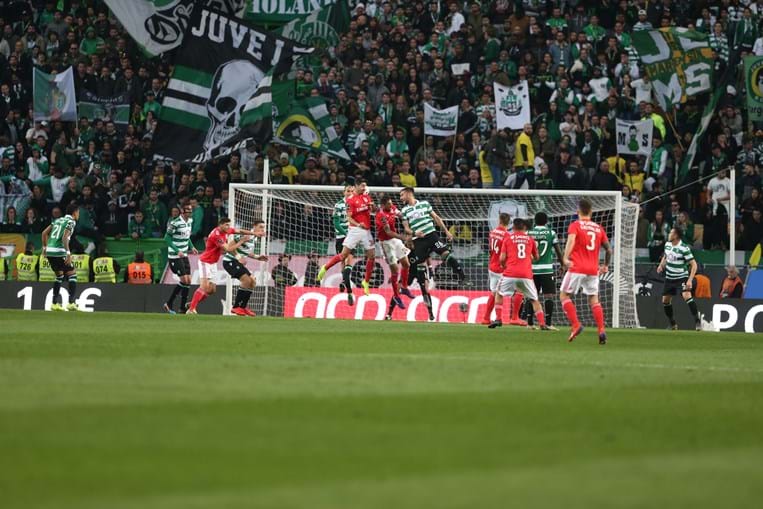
point(300, 238)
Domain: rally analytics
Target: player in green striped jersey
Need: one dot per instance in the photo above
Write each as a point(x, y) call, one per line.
point(55, 241)
point(419, 221)
point(680, 268)
point(543, 268)
point(341, 225)
point(178, 240)
point(240, 247)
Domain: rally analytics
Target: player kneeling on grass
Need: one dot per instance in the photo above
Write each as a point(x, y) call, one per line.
point(359, 208)
point(581, 259)
point(395, 252)
point(239, 248)
point(55, 242)
point(217, 243)
point(675, 260)
point(518, 250)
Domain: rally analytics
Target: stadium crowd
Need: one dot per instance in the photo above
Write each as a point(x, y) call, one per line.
point(395, 57)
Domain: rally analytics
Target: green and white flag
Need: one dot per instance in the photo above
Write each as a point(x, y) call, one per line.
point(54, 97)
point(440, 122)
point(753, 75)
point(158, 26)
point(678, 62)
point(634, 136)
point(306, 124)
point(512, 106)
point(707, 116)
point(219, 87)
point(115, 108)
point(321, 29)
point(270, 12)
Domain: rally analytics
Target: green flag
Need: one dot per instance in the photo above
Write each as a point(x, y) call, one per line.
point(115, 108)
point(53, 96)
point(678, 62)
point(271, 12)
point(707, 116)
point(753, 74)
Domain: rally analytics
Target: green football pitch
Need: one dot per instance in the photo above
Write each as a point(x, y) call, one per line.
point(113, 411)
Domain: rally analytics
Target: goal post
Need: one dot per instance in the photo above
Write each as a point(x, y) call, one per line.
point(300, 237)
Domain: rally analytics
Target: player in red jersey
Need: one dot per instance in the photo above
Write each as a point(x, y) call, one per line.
point(395, 252)
point(518, 251)
point(581, 259)
point(494, 269)
point(217, 244)
point(360, 206)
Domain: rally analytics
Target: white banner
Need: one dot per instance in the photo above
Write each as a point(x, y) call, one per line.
point(634, 137)
point(440, 122)
point(512, 105)
point(600, 88)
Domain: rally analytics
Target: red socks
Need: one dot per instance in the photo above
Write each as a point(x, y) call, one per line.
point(404, 277)
point(489, 309)
point(395, 285)
point(369, 268)
point(516, 305)
point(499, 312)
point(334, 260)
point(198, 296)
point(541, 318)
point(572, 315)
point(598, 316)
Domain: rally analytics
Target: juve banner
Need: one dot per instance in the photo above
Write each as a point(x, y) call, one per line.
point(159, 25)
point(270, 12)
point(115, 109)
point(512, 105)
point(634, 137)
point(753, 72)
point(440, 122)
point(678, 62)
point(54, 97)
point(217, 75)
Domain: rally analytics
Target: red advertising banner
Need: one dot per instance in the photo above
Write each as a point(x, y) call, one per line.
point(449, 306)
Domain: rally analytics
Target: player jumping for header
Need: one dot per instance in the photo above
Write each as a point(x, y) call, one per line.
point(395, 252)
point(239, 248)
point(581, 259)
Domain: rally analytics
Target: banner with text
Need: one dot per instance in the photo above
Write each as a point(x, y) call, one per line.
point(634, 137)
point(512, 105)
point(440, 122)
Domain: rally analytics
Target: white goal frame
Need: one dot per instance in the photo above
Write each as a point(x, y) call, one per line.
point(265, 190)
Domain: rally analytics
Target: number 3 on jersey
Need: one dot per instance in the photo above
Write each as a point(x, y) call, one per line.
point(591, 246)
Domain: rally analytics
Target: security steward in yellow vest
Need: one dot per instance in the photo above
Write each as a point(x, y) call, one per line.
point(105, 268)
point(81, 263)
point(139, 271)
point(26, 264)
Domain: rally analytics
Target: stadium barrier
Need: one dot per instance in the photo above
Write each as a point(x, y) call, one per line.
point(738, 315)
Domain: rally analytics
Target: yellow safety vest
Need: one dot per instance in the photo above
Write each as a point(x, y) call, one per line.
point(46, 273)
point(103, 270)
point(26, 266)
point(81, 263)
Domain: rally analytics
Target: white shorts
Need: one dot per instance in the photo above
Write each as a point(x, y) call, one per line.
point(358, 236)
point(492, 280)
point(573, 283)
point(208, 271)
point(510, 285)
point(394, 250)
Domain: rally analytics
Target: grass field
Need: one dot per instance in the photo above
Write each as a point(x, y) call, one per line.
point(121, 411)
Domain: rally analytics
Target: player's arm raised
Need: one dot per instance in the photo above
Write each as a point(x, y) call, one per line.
point(439, 222)
point(607, 257)
point(232, 246)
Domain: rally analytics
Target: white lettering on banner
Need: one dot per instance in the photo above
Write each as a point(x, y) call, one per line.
point(85, 302)
point(320, 310)
point(749, 321)
point(237, 31)
point(381, 306)
point(663, 50)
point(331, 308)
point(49, 298)
point(26, 294)
point(450, 301)
point(255, 44)
point(718, 311)
point(286, 7)
point(419, 301)
point(474, 309)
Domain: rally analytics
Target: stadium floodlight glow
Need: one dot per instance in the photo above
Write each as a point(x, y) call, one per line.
point(298, 221)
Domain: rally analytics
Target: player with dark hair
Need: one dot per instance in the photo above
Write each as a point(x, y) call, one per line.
point(217, 243)
point(178, 240)
point(676, 259)
point(494, 269)
point(341, 226)
point(518, 250)
point(55, 242)
point(581, 259)
point(395, 252)
point(419, 221)
point(360, 206)
point(543, 267)
point(239, 248)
